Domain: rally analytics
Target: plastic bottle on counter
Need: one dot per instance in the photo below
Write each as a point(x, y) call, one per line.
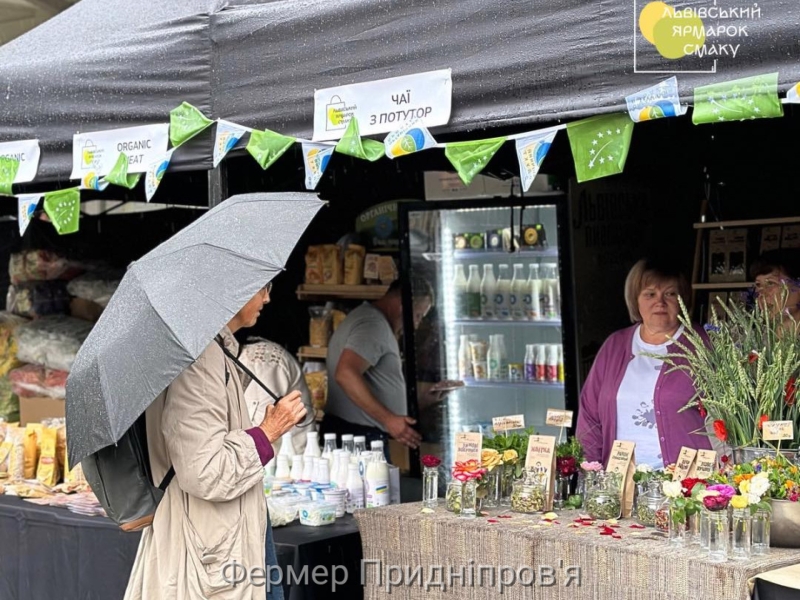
point(488, 285)
point(282, 470)
point(342, 468)
point(460, 291)
point(329, 445)
point(531, 299)
point(516, 299)
point(530, 362)
point(552, 363)
point(502, 290)
point(377, 480)
point(355, 489)
point(308, 468)
point(359, 445)
point(473, 293)
point(335, 463)
point(464, 359)
point(287, 445)
point(347, 443)
point(297, 468)
point(312, 445)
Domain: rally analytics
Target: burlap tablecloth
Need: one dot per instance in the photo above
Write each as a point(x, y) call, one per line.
point(639, 565)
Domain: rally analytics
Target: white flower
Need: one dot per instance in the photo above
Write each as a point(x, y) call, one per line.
point(672, 489)
point(644, 468)
point(759, 485)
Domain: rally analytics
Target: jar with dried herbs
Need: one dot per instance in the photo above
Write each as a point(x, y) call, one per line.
point(528, 494)
point(648, 504)
point(452, 497)
point(603, 500)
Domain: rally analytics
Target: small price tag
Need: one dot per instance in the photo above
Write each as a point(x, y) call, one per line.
point(778, 430)
point(509, 422)
point(559, 418)
point(468, 447)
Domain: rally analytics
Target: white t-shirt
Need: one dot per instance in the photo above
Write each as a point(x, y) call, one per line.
point(636, 414)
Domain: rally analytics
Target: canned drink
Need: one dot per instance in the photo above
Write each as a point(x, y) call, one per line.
point(515, 371)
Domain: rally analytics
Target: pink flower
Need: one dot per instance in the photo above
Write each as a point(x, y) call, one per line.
point(591, 466)
point(431, 461)
point(724, 490)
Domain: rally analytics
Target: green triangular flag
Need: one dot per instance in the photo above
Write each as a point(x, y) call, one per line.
point(739, 100)
point(470, 158)
point(8, 172)
point(352, 144)
point(185, 122)
point(600, 145)
point(119, 174)
point(64, 209)
point(267, 146)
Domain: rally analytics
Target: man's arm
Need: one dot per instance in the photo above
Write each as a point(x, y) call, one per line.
point(350, 377)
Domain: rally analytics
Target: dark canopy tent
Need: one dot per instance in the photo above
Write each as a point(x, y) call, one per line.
point(104, 64)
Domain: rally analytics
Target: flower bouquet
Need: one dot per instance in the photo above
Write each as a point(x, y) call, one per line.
point(513, 448)
point(569, 456)
point(430, 480)
point(462, 493)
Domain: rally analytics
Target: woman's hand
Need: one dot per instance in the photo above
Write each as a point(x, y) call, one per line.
point(282, 416)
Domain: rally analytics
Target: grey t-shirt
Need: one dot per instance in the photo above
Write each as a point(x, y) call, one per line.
point(366, 332)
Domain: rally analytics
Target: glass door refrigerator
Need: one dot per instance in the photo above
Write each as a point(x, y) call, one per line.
point(500, 335)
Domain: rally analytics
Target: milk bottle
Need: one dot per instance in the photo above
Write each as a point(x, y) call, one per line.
point(488, 285)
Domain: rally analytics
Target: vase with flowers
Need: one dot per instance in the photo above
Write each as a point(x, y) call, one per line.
point(491, 488)
point(469, 474)
point(569, 456)
point(586, 478)
point(430, 480)
point(512, 447)
point(716, 499)
point(682, 504)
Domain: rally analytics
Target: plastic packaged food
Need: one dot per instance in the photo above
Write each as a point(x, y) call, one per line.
point(332, 264)
point(97, 286)
point(38, 299)
point(52, 341)
point(319, 327)
point(283, 508)
point(30, 381)
point(9, 401)
point(316, 514)
point(8, 341)
point(314, 265)
point(40, 265)
point(317, 382)
point(354, 264)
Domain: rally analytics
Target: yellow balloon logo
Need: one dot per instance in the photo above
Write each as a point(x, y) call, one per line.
point(650, 15)
point(674, 37)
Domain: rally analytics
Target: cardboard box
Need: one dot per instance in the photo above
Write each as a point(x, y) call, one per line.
point(770, 239)
point(85, 309)
point(736, 250)
point(33, 410)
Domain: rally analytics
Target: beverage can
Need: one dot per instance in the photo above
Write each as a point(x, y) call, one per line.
point(515, 371)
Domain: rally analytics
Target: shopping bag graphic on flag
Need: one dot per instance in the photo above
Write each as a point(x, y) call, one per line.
point(334, 115)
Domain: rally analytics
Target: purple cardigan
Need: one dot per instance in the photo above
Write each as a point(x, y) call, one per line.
point(597, 416)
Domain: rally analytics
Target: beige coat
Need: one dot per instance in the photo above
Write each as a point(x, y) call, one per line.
point(214, 511)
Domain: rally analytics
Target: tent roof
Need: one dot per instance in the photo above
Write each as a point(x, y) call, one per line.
point(104, 64)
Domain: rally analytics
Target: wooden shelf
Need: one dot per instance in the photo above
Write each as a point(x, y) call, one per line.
point(310, 352)
point(735, 285)
point(746, 223)
point(309, 291)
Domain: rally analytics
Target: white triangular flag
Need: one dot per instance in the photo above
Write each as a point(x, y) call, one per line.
point(27, 206)
point(413, 137)
point(531, 151)
point(315, 159)
point(793, 95)
point(90, 181)
point(656, 102)
point(228, 135)
point(155, 173)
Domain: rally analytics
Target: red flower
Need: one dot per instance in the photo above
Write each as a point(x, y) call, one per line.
point(720, 430)
point(688, 485)
point(791, 390)
point(752, 357)
point(702, 410)
point(761, 420)
point(429, 460)
point(566, 465)
point(724, 458)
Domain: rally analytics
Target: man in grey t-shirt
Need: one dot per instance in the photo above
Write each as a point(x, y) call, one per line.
point(366, 387)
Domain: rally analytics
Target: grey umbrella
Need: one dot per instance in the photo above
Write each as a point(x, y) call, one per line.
point(170, 305)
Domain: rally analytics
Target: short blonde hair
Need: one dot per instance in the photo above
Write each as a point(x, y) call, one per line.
point(647, 272)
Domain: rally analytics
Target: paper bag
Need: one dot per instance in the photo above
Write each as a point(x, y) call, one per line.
point(541, 458)
point(705, 465)
point(622, 461)
point(47, 472)
point(684, 465)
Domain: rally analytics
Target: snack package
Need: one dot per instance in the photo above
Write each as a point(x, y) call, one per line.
point(47, 472)
point(354, 264)
point(8, 341)
point(61, 443)
point(332, 264)
point(30, 381)
point(317, 382)
point(314, 265)
point(371, 267)
point(74, 476)
point(31, 449)
point(96, 286)
point(9, 401)
point(387, 271)
point(337, 316)
point(15, 462)
point(40, 265)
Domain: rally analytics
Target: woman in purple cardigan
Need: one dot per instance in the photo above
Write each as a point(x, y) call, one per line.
point(630, 396)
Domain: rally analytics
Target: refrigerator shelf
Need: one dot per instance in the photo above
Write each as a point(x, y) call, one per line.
point(487, 383)
point(521, 254)
point(490, 322)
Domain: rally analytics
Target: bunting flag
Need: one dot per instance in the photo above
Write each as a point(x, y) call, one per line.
point(227, 136)
point(64, 208)
point(27, 206)
point(739, 100)
point(656, 102)
point(531, 151)
point(352, 144)
point(119, 174)
point(793, 94)
point(267, 146)
point(600, 145)
point(8, 173)
point(91, 181)
point(315, 158)
point(185, 122)
point(155, 172)
point(414, 137)
point(470, 158)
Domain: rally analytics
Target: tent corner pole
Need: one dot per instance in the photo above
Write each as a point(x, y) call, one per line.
point(217, 185)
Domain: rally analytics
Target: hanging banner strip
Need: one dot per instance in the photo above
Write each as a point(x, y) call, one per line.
point(414, 137)
point(227, 136)
point(315, 158)
point(792, 97)
point(531, 152)
point(27, 152)
point(64, 209)
point(96, 153)
point(185, 122)
point(656, 102)
point(27, 206)
point(155, 172)
point(381, 106)
point(8, 173)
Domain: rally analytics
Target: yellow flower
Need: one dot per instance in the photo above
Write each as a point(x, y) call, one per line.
point(789, 485)
point(744, 487)
point(739, 502)
point(490, 458)
point(510, 456)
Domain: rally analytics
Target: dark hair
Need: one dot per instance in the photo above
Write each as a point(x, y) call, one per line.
point(786, 261)
point(420, 288)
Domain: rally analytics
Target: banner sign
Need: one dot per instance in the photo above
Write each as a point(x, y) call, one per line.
point(96, 153)
point(385, 105)
point(27, 152)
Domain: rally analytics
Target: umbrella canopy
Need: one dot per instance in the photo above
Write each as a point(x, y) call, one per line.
point(170, 305)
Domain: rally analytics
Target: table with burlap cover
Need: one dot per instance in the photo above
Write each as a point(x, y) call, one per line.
point(633, 564)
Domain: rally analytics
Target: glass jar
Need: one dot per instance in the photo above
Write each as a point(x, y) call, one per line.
point(677, 527)
point(430, 487)
point(529, 494)
point(693, 529)
point(648, 503)
point(507, 484)
point(452, 497)
point(760, 533)
point(469, 499)
point(588, 482)
point(704, 525)
point(603, 500)
point(718, 532)
point(494, 487)
point(562, 491)
point(662, 516)
point(742, 529)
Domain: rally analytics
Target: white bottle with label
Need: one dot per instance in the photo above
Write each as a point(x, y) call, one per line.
point(312, 445)
point(287, 445)
point(473, 293)
point(347, 442)
point(517, 295)
point(343, 468)
point(531, 300)
point(501, 293)
point(377, 481)
point(488, 284)
point(464, 358)
point(355, 489)
point(549, 294)
point(496, 358)
point(359, 445)
point(460, 291)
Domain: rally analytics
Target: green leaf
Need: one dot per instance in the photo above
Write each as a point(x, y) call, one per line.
point(185, 122)
point(119, 174)
point(267, 146)
point(354, 145)
point(8, 172)
point(63, 208)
